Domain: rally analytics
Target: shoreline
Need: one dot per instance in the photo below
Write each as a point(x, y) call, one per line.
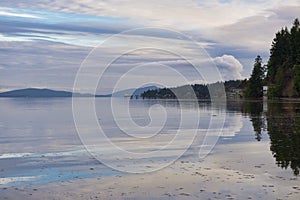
point(229, 173)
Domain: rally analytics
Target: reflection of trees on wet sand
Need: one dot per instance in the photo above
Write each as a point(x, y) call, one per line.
point(282, 121)
point(284, 130)
point(255, 111)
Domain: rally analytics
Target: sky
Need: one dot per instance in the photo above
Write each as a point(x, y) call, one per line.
point(45, 43)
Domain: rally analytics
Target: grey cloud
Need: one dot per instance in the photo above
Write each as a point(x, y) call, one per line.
point(40, 64)
point(256, 32)
point(285, 12)
point(13, 26)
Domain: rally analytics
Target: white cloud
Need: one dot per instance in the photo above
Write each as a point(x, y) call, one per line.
point(230, 68)
point(233, 125)
point(11, 14)
point(12, 39)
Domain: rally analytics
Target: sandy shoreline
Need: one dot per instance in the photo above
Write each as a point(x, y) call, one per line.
point(232, 174)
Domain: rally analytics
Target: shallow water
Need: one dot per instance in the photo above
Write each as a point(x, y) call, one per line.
point(39, 142)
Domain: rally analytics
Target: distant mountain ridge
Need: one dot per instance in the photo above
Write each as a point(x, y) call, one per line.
point(47, 93)
point(36, 92)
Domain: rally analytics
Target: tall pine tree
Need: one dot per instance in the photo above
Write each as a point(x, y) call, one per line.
point(255, 83)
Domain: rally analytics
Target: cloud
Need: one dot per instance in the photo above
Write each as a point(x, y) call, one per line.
point(43, 41)
point(59, 27)
point(255, 32)
point(11, 14)
point(232, 126)
point(11, 39)
point(249, 26)
point(189, 14)
point(230, 68)
point(39, 64)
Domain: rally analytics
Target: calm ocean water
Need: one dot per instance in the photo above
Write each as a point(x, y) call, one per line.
point(39, 142)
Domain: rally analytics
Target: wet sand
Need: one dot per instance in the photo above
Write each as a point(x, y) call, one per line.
point(230, 172)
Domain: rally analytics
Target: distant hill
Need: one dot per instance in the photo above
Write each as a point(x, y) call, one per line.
point(35, 92)
point(133, 91)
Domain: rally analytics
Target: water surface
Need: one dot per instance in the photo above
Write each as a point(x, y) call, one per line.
point(39, 142)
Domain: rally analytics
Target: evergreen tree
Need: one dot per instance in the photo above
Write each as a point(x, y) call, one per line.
point(255, 83)
point(283, 66)
point(295, 42)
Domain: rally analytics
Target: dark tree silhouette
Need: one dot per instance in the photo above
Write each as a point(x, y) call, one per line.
point(283, 66)
point(255, 83)
point(284, 132)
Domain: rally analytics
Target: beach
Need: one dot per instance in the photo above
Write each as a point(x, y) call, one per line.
point(232, 173)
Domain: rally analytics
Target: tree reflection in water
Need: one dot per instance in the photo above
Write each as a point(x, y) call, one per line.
point(282, 122)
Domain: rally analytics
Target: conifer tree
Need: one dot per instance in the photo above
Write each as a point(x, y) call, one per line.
point(255, 83)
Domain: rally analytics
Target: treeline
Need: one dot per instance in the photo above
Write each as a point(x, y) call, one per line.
point(199, 91)
point(283, 68)
point(282, 72)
